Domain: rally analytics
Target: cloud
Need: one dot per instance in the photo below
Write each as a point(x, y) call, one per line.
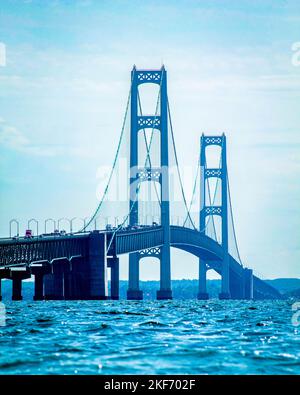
point(13, 139)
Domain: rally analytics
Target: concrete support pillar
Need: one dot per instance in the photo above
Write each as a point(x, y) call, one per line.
point(114, 278)
point(49, 286)
point(17, 274)
point(73, 292)
point(97, 266)
point(165, 291)
point(39, 269)
point(0, 289)
point(248, 283)
point(58, 285)
point(225, 293)
point(134, 292)
point(38, 287)
point(78, 287)
point(17, 288)
point(67, 286)
point(54, 283)
point(77, 280)
point(202, 294)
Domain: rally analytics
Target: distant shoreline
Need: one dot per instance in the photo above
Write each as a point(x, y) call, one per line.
point(182, 289)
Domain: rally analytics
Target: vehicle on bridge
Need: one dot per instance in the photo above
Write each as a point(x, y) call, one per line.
point(28, 234)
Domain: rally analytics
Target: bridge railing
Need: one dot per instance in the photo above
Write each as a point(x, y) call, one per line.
point(34, 249)
point(138, 240)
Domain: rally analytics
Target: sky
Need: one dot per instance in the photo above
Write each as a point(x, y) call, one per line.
point(233, 67)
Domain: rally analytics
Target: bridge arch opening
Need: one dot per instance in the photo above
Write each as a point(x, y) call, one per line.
point(184, 265)
point(149, 138)
point(214, 227)
point(213, 283)
point(213, 156)
point(148, 94)
point(213, 191)
point(149, 207)
point(149, 276)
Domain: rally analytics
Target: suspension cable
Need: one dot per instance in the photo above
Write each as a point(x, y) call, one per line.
point(232, 222)
point(148, 148)
point(215, 192)
point(194, 191)
point(211, 201)
point(177, 165)
point(114, 162)
point(139, 184)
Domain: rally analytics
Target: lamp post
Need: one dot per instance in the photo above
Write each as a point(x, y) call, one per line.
point(53, 222)
point(84, 223)
point(71, 224)
point(63, 219)
point(36, 223)
point(14, 221)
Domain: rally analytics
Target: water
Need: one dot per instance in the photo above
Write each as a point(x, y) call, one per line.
point(153, 337)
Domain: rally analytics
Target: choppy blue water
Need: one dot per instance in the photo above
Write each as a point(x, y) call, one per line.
point(172, 337)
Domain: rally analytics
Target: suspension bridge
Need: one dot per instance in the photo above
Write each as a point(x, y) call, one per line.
point(75, 265)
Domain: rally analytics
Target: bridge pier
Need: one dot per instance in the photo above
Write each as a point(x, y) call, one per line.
point(17, 275)
point(164, 294)
point(202, 294)
point(17, 288)
point(165, 291)
point(0, 288)
point(225, 292)
point(67, 282)
point(58, 285)
point(38, 287)
point(54, 285)
point(68, 286)
point(39, 269)
point(248, 283)
point(113, 264)
point(134, 292)
point(78, 279)
point(97, 263)
point(49, 286)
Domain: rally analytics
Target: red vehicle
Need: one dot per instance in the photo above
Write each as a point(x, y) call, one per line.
point(28, 233)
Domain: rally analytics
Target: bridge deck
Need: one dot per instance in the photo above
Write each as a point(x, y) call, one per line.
point(47, 248)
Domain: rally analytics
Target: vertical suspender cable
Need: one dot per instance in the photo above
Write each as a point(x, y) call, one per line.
point(114, 163)
point(148, 147)
point(177, 166)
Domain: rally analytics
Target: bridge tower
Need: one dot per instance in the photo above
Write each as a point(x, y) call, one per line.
point(206, 210)
point(137, 175)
